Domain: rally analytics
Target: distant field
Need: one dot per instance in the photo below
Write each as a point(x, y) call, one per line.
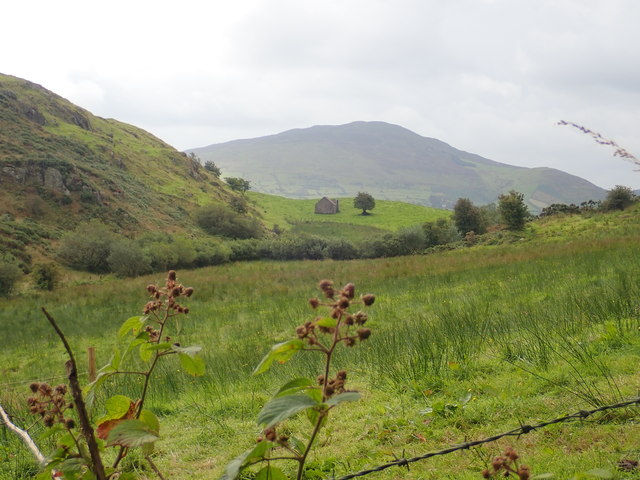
point(386, 216)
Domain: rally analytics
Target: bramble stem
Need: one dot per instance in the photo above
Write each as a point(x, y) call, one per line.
point(76, 392)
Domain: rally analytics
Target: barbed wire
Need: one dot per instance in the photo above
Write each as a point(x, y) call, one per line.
point(524, 429)
point(27, 382)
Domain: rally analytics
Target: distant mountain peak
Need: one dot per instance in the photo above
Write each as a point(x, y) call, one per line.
point(388, 161)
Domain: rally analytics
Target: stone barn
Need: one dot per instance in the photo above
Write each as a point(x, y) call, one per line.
point(327, 206)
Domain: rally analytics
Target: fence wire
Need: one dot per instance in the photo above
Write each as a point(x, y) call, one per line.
point(524, 429)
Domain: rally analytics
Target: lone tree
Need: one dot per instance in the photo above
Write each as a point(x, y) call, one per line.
point(365, 202)
point(618, 198)
point(238, 184)
point(468, 217)
point(512, 210)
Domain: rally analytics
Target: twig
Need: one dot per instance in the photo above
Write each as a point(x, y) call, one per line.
point(24, 436)
point(76, 391)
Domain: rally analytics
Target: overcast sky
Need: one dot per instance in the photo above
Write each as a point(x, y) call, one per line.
point(491, 77)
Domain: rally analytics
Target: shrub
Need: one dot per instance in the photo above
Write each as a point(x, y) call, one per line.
point(242, 250)
point(220, 220)
point(618, 198)
point(512, 210)
point(87, 248)
point(9, 276)
point(46, 276)
point(440, 232)
point(341, 250)
point(127, 259)
point(468, 217)
point(209, 252)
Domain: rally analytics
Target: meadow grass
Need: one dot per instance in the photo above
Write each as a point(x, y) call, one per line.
point(532, 330)
point(387, 215)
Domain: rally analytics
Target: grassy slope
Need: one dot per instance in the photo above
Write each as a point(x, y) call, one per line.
point(298, 215)
point(561, 304)
point(142, 183)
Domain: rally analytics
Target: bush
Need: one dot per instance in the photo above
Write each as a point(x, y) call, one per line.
point(127, 259)
point(210, 252)
point(46, 276)
point(512, 210)
point(440, 232)
point(242, 250)
point(220, 220)
point(618, 198)
point(87, 248)
point(468, 217)
point(9, 276)
point(341, 250)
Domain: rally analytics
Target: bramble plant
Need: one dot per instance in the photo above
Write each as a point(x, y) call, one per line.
point(125, 424)
point(314, 397)
point(506, 465)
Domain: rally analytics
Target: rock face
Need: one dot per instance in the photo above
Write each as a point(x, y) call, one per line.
point(37, 174)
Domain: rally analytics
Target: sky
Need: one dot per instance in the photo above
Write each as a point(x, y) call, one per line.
point(491, 77)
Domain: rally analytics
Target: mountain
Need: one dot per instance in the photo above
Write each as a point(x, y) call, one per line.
point(389, 162)
point(60, 165)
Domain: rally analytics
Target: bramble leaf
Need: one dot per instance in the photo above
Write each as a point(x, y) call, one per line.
point(237, 464)
point(294, 386)
point(344, 397)
point(270, 473)
point(133, 323)
point(193, 365)
point(131, 434)
point(192, 351)
point(282, 408)
point(327, 322)
point(281, 353)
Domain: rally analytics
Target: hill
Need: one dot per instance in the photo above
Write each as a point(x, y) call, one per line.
point(60, 165)
point(388, 161)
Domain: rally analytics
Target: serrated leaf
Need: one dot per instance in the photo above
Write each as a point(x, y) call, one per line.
point(294, 386)
point(280, 352)
point(192, 365)
point(117, 407)
point(158, 346)
point(327, 322)
point(132, 324)
point(344, 397)
point(192, 351)
point(237, 464)
point(150, 420)
point(131, 434)
point(145, 351)
point(281, 408)
point(270, 473)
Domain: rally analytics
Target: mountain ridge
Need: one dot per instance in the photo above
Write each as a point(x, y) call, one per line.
point(407, 166)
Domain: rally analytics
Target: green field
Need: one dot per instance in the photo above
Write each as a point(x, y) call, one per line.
point(299, 216)
point(544, 324)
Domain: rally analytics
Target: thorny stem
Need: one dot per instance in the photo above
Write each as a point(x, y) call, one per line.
point(76, 391)
point(162, 323)
point(153, 466)
point(316, 430)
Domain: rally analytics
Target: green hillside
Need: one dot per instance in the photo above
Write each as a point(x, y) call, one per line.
point(391, 163)
point(60, 165)
point(298, 216)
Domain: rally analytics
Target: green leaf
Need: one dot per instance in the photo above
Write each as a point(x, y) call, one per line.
point(192, 351)
point(327, 322)
point(114, 362)
point(294, 386)
point(280, 352)
point(542, 475)
point(192, 365)
point(237, 464)
point(282, 408)
point(145, 351)
point(150, 420)
point(344, 397)
point(133, 323)
point(314, 393)
point(117, 407)
point(131, 434)
point(158, 346)
point(270, 473)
